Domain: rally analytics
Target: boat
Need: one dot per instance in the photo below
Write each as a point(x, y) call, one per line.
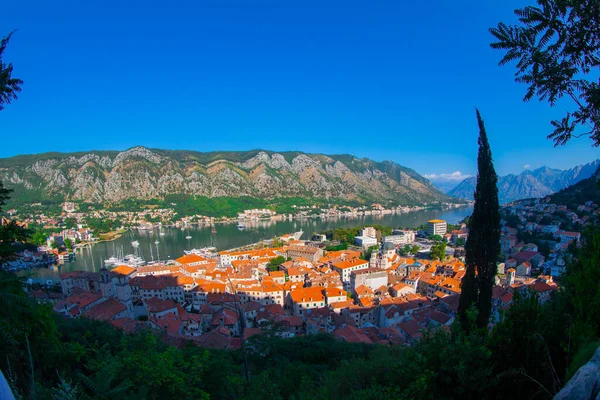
point(241, 226)
point(113, 260)
point(133, 261)
point(156, 242)
point(135, 243)
point(162, 234)
point(188, 237)
point(213, 230)
point(203, 252)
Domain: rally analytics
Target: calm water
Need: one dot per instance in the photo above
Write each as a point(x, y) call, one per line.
point(173, 243)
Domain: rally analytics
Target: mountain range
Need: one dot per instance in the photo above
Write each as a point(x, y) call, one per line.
point(539, 182)
point(142, 173)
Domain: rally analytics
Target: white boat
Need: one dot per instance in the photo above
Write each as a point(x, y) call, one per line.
point(188, 237)
point(135, 243)
point(156, 242)
point(133, 261)
point(162, 234)
point(112, 260)
point(241, 226)
point(203, 252)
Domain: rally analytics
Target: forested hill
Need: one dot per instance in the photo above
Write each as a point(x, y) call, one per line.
point(585, 190)
point(142, 173)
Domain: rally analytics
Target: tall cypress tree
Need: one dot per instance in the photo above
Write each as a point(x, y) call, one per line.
point(483, 244)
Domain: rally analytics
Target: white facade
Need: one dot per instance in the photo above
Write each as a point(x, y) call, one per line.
point(437, 227)
point(369, 232)
point(400, 237)
point(365, 241)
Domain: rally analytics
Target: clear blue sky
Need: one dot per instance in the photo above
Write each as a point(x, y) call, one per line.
point(393, 80)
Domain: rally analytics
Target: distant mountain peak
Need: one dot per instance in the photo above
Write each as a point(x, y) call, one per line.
point(539, 182)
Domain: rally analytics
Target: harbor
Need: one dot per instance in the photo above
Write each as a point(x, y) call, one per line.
point(173, 242)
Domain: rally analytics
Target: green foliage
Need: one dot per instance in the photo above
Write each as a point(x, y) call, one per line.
point(585, 190)
point(338, 247)
point(435, 238)
point(9, 86)
point(277, 242)
point(274, 263)
point(438, 251)
point(404, 251)
point(415, 249)
point(39, 238)
point(346, 235)
point(69, 244)
point(70, 223)
point(557, 46)
point(581, 281)
point(4, 195)
point(102, 225)
point(483, 245)
point(460, 242)
point(367, 254)
point(12, 237)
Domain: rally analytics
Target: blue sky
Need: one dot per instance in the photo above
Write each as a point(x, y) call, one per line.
point(383, 79)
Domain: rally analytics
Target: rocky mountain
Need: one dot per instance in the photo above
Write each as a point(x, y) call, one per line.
point(531, 183)
point(112, 176)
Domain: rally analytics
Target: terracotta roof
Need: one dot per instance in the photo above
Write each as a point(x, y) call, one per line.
point(334, 292)
point(156, 305)
point(84, 299)
point(214, 340)
point(227, 316)
point(293, 321)
point(190, 259)
point(127, 325)
point(310, 294)
point(106, 310)
point(169, 322)
point(123, 270)
point(350, 263)
point(341, 304)
point(411, 328)
point(352, 334)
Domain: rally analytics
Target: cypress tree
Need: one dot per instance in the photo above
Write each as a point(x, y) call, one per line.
point(483, 244)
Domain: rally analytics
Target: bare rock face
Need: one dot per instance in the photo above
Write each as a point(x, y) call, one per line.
point(585, 384)
point(149, 174)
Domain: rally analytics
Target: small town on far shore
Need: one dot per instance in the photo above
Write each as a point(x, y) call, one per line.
point(373, 285)
point(59, 235)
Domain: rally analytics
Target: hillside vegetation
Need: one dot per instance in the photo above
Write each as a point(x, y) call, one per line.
point(110, 177)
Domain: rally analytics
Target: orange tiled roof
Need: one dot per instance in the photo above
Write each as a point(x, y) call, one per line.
point(123, 270)
point(350, 263)
point(309, 294)
point(190, 258)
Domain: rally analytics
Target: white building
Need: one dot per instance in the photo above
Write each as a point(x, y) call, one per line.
point(69, 207)
point(373, 278)
point(365, 241)
point(400, 237)
point(436, 227)
point(369, 232)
